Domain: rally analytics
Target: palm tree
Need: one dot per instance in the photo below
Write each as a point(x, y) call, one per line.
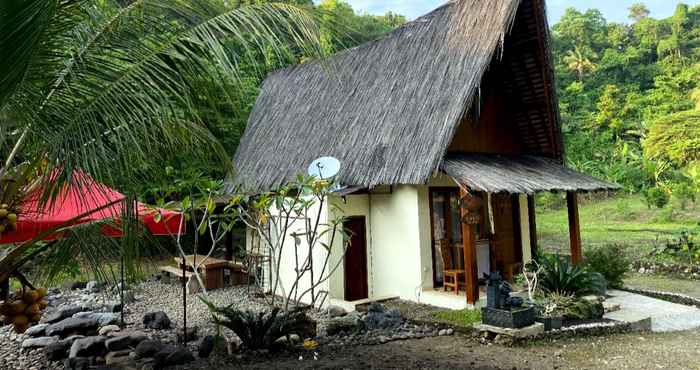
point(106, 87)
point(578, 62)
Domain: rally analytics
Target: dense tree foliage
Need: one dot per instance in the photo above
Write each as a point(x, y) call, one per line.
point(628, 95)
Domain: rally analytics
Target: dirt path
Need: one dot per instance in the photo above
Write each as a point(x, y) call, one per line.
point(648, 351)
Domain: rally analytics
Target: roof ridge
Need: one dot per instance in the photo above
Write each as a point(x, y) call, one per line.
point(418, 21)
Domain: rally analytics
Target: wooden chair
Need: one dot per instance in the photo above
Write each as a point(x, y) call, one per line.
point(451, 278)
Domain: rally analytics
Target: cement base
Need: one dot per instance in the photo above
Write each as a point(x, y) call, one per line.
point(528, 331)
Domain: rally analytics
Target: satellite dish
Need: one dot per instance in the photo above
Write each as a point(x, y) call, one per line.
point(324, 168)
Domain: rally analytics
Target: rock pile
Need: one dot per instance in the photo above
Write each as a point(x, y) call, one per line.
point(81, 329)
point(377, 326)
point(668, 268)
point(90, 338)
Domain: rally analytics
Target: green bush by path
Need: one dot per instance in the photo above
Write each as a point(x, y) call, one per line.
point(611, 261)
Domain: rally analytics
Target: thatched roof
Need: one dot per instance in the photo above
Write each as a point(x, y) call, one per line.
point(387, 110)
point(518, 174)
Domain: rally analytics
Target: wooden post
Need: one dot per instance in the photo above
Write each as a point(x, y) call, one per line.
point(574, 228)
point(228, 246)
point(469, 244)
point(533, 224)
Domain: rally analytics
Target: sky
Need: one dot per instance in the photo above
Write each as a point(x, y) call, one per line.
point(613, 10)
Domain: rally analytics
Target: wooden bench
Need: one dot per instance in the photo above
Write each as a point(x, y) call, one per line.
point(236, 266)
point(238, 273)
point(172, 270)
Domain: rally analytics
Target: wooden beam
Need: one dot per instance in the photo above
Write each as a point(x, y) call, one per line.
point(469, 244)
point(574, 228)
point(517, 232)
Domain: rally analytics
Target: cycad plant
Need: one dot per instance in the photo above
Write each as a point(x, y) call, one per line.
point(559, 276)
point(107, 87)
point(260, 330)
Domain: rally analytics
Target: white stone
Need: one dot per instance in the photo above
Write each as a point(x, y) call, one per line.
point(36, 330)
point(39, 342)
point(109, 329)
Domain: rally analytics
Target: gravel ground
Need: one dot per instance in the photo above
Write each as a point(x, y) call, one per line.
point(653, 351)
point(12, 357)
point(415, 311)
point(632, 351)
point(157, 296)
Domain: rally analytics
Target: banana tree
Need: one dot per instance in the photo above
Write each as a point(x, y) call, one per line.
point(106, 87)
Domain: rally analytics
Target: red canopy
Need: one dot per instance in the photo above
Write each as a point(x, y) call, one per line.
point(85, 201)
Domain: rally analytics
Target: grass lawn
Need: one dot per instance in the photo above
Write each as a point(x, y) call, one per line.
point(665, 284)
point(464, 317)
point(624, 219)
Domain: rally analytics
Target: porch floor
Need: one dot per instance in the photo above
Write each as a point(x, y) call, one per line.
point(440, 298)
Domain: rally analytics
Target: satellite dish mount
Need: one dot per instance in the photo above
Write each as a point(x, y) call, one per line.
point(324, 168)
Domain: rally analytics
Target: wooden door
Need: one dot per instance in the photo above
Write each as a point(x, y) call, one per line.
point(506, 214)
point(356, 286)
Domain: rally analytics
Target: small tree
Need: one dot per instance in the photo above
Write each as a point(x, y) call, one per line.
point(200, 211)
point(638, 11)
point(295, 212)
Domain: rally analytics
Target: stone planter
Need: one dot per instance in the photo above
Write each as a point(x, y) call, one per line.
point(516, 318)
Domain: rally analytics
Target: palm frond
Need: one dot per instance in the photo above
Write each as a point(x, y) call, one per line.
point(117, 92)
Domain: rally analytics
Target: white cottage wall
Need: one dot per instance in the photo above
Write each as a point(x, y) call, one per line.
point(396, 240)
point(296, 249)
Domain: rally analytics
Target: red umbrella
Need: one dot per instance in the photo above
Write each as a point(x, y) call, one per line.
point(84, 201)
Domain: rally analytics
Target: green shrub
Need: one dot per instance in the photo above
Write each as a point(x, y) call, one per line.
point(684, 248)
point(684, 194)
point(555, 304)
point(624, 209)
point(570, 307)
point(656, 197)
point(583, 309)
point(559, 276)
point(260, 330)
point(611, 261)
point(551, 201)
point(666, 215)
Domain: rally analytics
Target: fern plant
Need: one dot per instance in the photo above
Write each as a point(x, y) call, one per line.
point(260, 330)
point(559, 276)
